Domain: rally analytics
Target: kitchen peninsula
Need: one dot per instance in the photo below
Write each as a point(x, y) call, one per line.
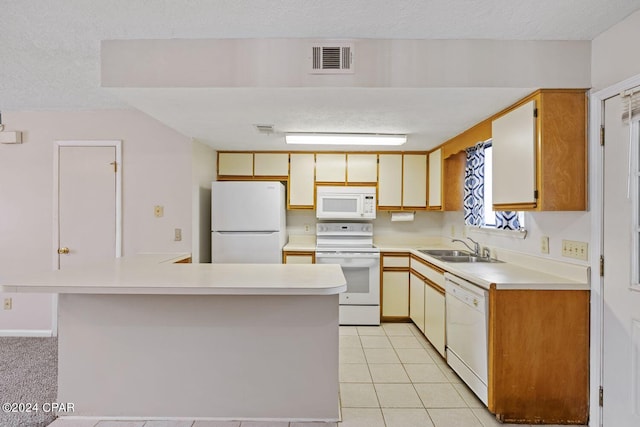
point(149, 336)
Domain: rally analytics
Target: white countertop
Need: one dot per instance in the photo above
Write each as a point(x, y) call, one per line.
point(536, 273)
point(157, 274)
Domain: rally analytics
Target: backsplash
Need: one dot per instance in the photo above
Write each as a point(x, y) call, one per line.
point(425, 223)
point(556, 225)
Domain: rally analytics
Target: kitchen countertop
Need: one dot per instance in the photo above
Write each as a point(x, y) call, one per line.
point(158, 274)
point(506, 275)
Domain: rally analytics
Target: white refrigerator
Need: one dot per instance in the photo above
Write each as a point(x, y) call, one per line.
point(248, 222)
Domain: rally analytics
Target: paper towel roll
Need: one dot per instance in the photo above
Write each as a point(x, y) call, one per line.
point(402, 216)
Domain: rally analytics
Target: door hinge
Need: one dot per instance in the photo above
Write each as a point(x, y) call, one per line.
point(535, 194)
point(535, 112)
point(601, 396)
point(601, 265)
point(602, 135)
point(115, 166)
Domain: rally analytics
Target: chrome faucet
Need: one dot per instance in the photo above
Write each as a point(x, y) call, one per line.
point(476, 245)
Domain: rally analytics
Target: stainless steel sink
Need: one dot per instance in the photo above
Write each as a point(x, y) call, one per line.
point(466, 258)
point(454, 255)
point(437, 253)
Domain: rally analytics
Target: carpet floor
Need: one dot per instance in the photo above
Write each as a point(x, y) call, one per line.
point(28, 374)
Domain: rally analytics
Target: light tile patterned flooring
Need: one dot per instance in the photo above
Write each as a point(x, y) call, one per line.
point(390, 376)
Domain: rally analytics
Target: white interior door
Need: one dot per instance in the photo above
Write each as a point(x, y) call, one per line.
point(88, 191)
point(621, 311)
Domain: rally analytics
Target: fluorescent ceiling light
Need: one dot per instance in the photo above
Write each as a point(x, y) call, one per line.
point(345, 138)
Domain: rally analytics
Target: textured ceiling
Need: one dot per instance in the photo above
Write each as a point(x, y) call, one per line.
point(50, 50)
point(50, 58)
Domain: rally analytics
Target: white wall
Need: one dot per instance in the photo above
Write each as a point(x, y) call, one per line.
point(614, 53)
point(156, 170)
point(556, 225)
point(425, 224)
point(204, 163)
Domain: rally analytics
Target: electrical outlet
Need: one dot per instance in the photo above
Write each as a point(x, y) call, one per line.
point(575, 249)
point(8, 303)
point(158, 211)
point(306, 228)
point(177, 235)
point(544, 244)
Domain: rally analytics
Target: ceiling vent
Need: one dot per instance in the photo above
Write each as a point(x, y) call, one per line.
point(332, 58)
point(264, 129)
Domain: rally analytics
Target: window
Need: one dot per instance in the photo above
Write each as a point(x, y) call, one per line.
point(478, 195)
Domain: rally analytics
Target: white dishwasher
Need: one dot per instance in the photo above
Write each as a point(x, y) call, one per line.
point(467, 328)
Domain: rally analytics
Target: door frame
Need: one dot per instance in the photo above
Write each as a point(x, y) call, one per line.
point(596, 201)
point(117, 144)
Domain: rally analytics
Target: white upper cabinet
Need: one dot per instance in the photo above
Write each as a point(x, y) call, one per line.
point(362, 168)
point(390, 181)
point(301, 181)
point(235, 164)
point(331, 167)
point(271, 165)
point(435, 179)
point(414, 181)
point(514, 157)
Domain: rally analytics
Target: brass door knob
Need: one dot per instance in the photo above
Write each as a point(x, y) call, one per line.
point(63, 251)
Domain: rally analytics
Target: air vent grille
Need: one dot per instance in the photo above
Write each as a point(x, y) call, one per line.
point(264, 129)
point(332, 59)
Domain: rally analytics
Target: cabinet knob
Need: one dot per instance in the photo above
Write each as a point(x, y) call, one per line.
point(63, 251)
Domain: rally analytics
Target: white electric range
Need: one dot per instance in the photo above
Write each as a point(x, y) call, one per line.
point(350, 244)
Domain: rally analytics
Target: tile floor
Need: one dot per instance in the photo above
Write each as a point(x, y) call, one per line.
point(390, 376)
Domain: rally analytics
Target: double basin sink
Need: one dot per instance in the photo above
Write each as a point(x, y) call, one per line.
point(452, 255)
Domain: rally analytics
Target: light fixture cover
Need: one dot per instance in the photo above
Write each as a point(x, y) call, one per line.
point(345, 138)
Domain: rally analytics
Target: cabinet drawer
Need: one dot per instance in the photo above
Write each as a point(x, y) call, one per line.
point(395, 261)
point(434, 275)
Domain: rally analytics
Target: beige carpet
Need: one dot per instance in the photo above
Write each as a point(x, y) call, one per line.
point(28, 374)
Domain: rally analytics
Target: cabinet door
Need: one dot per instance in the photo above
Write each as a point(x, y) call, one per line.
point(301, 181)
point(235, 164)
point(390, 181)
point(414, 181)
point(362, 168)
point(395, 293)
point(331, 168)
point(435, 179)
point(434, 320)
point(416, 300)
point(514, 159)
point(271, 165)
point(303, 258)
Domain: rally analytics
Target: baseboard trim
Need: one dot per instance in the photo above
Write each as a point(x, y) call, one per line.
point(41, 333)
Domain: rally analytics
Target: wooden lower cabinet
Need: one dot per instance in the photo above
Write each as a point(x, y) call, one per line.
point(416, 300)
point(297, 257)
point(394, 286)
point(434, 317)
point(539, 356)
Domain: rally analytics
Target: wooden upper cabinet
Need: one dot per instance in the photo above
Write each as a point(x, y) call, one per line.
point(235, 165)
point(301, 191)
point(414, 181)
point(362, 168)
point(514, 158)
point(331, 168)
point(540, 153)
point(271, 165)
point(435, 179)
point(390, 181)
point(453, 181)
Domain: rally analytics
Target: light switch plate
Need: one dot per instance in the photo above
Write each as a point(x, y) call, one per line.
point(158, 211)
point(8, 303)
point(575, 249)
point(544, 244)
point(177, 235)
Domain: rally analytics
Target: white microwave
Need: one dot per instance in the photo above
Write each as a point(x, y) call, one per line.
point(345, 202)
